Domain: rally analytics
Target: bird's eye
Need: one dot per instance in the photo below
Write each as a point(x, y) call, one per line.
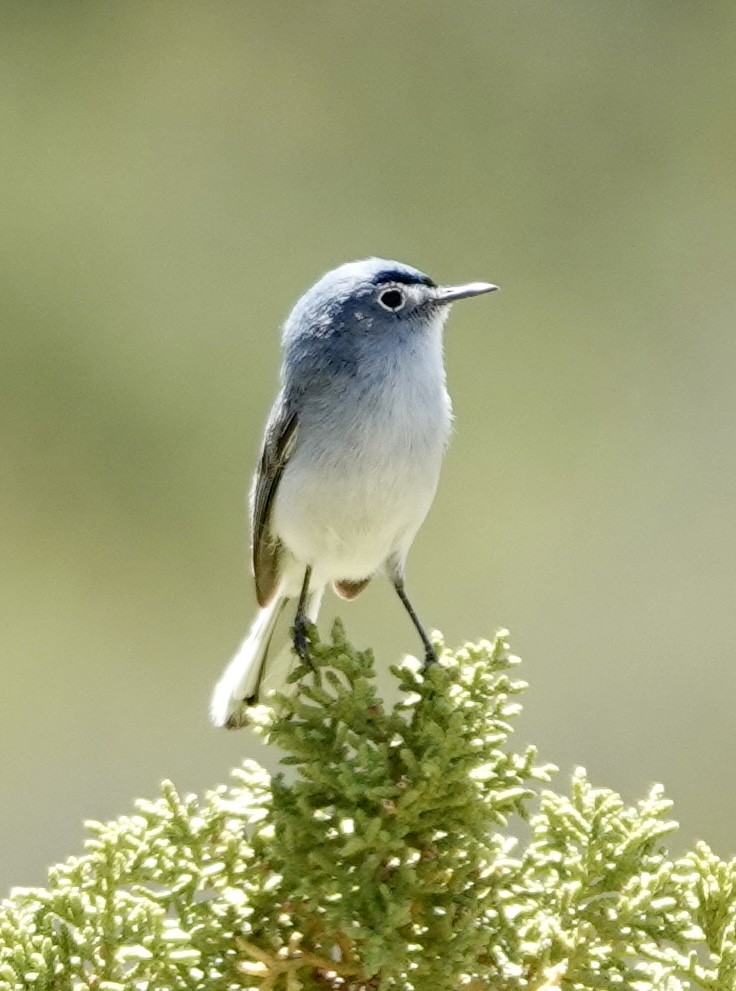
point(392, 299)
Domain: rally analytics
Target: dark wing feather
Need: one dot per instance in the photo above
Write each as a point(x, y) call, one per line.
point(278, 443)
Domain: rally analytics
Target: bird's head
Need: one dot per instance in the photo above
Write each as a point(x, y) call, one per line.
point(375, 294)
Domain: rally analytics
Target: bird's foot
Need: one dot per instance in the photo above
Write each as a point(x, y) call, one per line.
point(430, 656)
point(301, 640)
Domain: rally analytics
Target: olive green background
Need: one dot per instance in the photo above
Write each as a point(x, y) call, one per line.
point(173, 175)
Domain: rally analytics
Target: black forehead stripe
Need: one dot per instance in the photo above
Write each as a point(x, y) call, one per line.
point(403, 278)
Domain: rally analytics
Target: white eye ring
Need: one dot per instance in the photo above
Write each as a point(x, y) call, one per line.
point(392, 299)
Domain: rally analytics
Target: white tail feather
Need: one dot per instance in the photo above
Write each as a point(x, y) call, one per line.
point(240, 680)
point(248, 676)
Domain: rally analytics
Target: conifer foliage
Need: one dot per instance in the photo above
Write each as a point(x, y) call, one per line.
point(383, 858)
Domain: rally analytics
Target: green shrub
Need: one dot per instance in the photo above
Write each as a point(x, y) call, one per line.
point(385, 859)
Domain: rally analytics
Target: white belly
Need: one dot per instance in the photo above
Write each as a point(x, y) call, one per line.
point(347, 525)
point(354, 496)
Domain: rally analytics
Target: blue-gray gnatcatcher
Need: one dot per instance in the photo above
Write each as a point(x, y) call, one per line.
point(351, 454)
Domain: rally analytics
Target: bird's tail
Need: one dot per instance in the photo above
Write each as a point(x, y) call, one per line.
point(251, 673)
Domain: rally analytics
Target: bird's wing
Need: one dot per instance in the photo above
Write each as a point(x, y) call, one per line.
point(278, 443)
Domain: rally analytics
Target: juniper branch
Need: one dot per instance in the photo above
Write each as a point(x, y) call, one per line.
point(385, 858)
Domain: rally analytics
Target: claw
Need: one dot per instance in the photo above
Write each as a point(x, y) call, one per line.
point(301, 641)
point(430, 657)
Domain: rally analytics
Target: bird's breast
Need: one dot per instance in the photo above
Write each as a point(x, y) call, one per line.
point(365, 468)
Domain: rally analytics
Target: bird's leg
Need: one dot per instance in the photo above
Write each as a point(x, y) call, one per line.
point(301, 621)
point(429, 652)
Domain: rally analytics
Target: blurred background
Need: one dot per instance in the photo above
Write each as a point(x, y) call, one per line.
point(173, 177)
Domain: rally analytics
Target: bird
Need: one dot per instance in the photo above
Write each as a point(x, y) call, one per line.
point(351, 454)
